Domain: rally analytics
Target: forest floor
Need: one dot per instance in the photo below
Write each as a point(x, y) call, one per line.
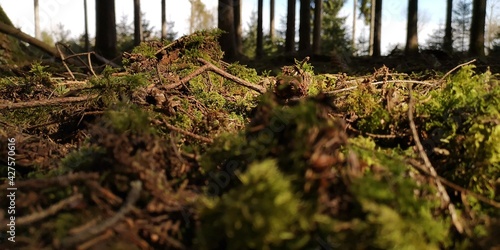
point(181, 150)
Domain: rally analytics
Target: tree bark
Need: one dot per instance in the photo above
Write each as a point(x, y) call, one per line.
point(305, 26)
point(377, 29)
point(38, 32)
point(260, 33)
point(137, 22)
point(237, 26)
point(271, 20)
point(10, 30)
point(318, 8)
point(290, 27)
point(411, 48)
point(227, 40)
point(86, 17)
point(372, 26)
point(354, 17)
point(105, 39)
point(448, 35)
point(476, 46)
point(163, 20)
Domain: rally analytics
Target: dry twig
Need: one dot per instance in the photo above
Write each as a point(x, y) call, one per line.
point(441, 190)
point(184, 132)
point(449, 72)
point(43, 103)
point(28, 219)
point(132, 197)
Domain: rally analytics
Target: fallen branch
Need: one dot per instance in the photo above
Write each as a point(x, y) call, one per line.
point(184, 132)
point(235, 79)
point(28, 219)
point(64, 180)
point(378, 83)
point(17, 33)
point(132, 197)
point(457, 67)
point(454, 186)
point(441, 190)
point(43, 103)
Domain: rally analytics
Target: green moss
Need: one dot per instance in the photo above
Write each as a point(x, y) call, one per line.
point(262, 213)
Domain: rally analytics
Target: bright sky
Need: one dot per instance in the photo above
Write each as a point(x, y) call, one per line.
point(70, 14)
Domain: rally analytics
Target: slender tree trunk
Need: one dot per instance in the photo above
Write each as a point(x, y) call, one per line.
point(448, 35)
point(354, 17)
point(305, 26)
point(260, 33)
point(163, 20)
point(237, 26)
point(377, 30)
point(137, 22)
point(290, 27)
point(105, 39)
point(226, 23)
point(372, 26)
point(318, 8)
point(411, 48)
point(271, 20)
point(86, 35)
point(476, 46)
point(38, 32)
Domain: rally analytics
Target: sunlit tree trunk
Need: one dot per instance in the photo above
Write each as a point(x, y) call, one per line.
point(372, 25)
point(38, 32)
point(377, 29)
point(476, 46)
point(137, 22)
point(105, 39)
point(411, 35)
point(86, 17)
point(290, 27)
point(271, 20)
point(318, 8)
point(448, 42)
point(305, 26)
point(163, 20)
point(354, 17)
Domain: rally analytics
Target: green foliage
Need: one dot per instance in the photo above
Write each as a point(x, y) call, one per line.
point(463, 114)
point(128, 119)
point(39, 75)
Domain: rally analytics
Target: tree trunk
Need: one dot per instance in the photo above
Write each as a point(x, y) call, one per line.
point(163, 20)
point(305, 26)
point(354, 17)
point(476, 46)
point(86, 20)
point(372, 26)
point(105, 39)
point(318, 8)
point(237, 26)
point(271, 20)
point(411, 48)
point(137, 22)
point(377, 29)
point(38, 32)
point(448, 35)
point(226, 23)
point(290, 27)
point(260, 33)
